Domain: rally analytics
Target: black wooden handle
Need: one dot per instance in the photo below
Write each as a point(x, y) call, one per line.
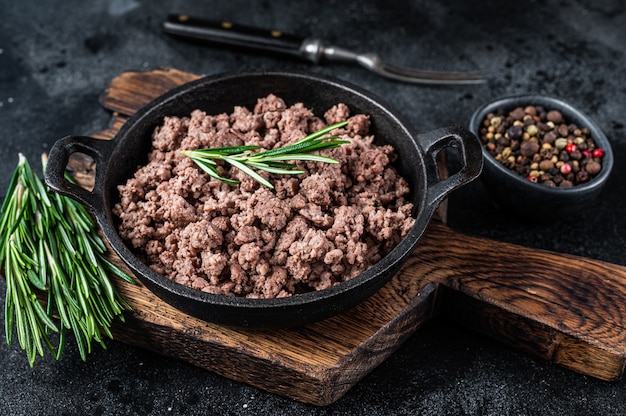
point(229, 34)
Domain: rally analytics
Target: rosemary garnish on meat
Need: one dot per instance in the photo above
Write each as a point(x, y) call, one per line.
point(272, 161)
point(50, 249)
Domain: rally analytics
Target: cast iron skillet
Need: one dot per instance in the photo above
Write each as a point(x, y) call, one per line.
point(118, 159)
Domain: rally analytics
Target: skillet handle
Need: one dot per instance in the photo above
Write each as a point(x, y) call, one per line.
point(470, 150)
point(58, 157)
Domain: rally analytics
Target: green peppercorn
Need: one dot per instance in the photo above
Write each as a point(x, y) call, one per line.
point(560, 143)
point(495, 121)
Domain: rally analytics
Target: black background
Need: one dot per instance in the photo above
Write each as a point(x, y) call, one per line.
point(56, 58)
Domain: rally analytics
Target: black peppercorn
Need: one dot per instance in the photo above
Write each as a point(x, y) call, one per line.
point(515, 132)
point(576, 155)
point(549, 137)
point(529, 148)
point(517, 114)
point(554, 116)
point(582, 176)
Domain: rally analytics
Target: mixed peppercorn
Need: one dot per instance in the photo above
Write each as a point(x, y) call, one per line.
point(540, 145)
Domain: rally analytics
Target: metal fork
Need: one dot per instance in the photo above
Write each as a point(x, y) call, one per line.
point(312, 50)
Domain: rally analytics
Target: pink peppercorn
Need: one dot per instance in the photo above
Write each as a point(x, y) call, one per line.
point(566, 168)
point(570, 147)
point(598, 153)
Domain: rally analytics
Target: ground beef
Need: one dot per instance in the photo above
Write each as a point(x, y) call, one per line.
point(312, 231)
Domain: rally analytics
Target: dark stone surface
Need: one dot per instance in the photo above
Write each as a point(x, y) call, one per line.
point(55, 60)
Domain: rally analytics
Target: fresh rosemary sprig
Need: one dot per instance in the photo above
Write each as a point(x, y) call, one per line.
point(272, 161)
point(49, 248)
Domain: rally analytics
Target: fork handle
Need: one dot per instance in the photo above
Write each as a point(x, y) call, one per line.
point(229, 34)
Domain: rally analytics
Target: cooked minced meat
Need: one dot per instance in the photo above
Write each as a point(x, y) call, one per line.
point(313, 230)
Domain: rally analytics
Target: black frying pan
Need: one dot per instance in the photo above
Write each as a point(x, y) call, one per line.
point(118, 159)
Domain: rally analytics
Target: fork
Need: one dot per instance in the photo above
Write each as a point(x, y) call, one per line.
point(312, 50)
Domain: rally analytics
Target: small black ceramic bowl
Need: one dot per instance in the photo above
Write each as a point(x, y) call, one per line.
point(520, 196)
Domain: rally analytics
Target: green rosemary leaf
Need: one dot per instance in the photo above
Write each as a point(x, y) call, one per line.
point(13, 223)
point(83, 222)
point(40, 189)
point(106, 313)
point(46, 339)
point(96, 243)
point(87, 250)
point(277, 170)
point(79, 337)
point(324, 131)
point(35, 280)
point(61, 347)
point(116, 270)
point(307, 157)
point(90, 327)
point(44, 317)
point(16, 249)
point(41, 259)
point(108, 333)
point(83, 288)
point(68, 247)
point(57, 300)
point(34, 341)
point(20, 316)
point(101, 312)
point(221, 151)
point(205, 156)
point(9, 311)
point(21, 327)
point(10, 191)
point(106, 285)
point(289, 149)
point(241, 166)
point(317, 146)
point(274, 164)
point(213, 172)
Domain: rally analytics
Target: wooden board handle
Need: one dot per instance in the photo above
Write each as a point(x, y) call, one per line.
point(564, 308)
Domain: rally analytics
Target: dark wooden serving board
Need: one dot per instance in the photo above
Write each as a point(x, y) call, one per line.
point(566, 309)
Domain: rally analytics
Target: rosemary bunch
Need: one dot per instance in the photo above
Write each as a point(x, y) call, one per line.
point(49, 248)
point(272, 161)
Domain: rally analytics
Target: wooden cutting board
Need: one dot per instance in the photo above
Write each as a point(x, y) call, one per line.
point(562, 308)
